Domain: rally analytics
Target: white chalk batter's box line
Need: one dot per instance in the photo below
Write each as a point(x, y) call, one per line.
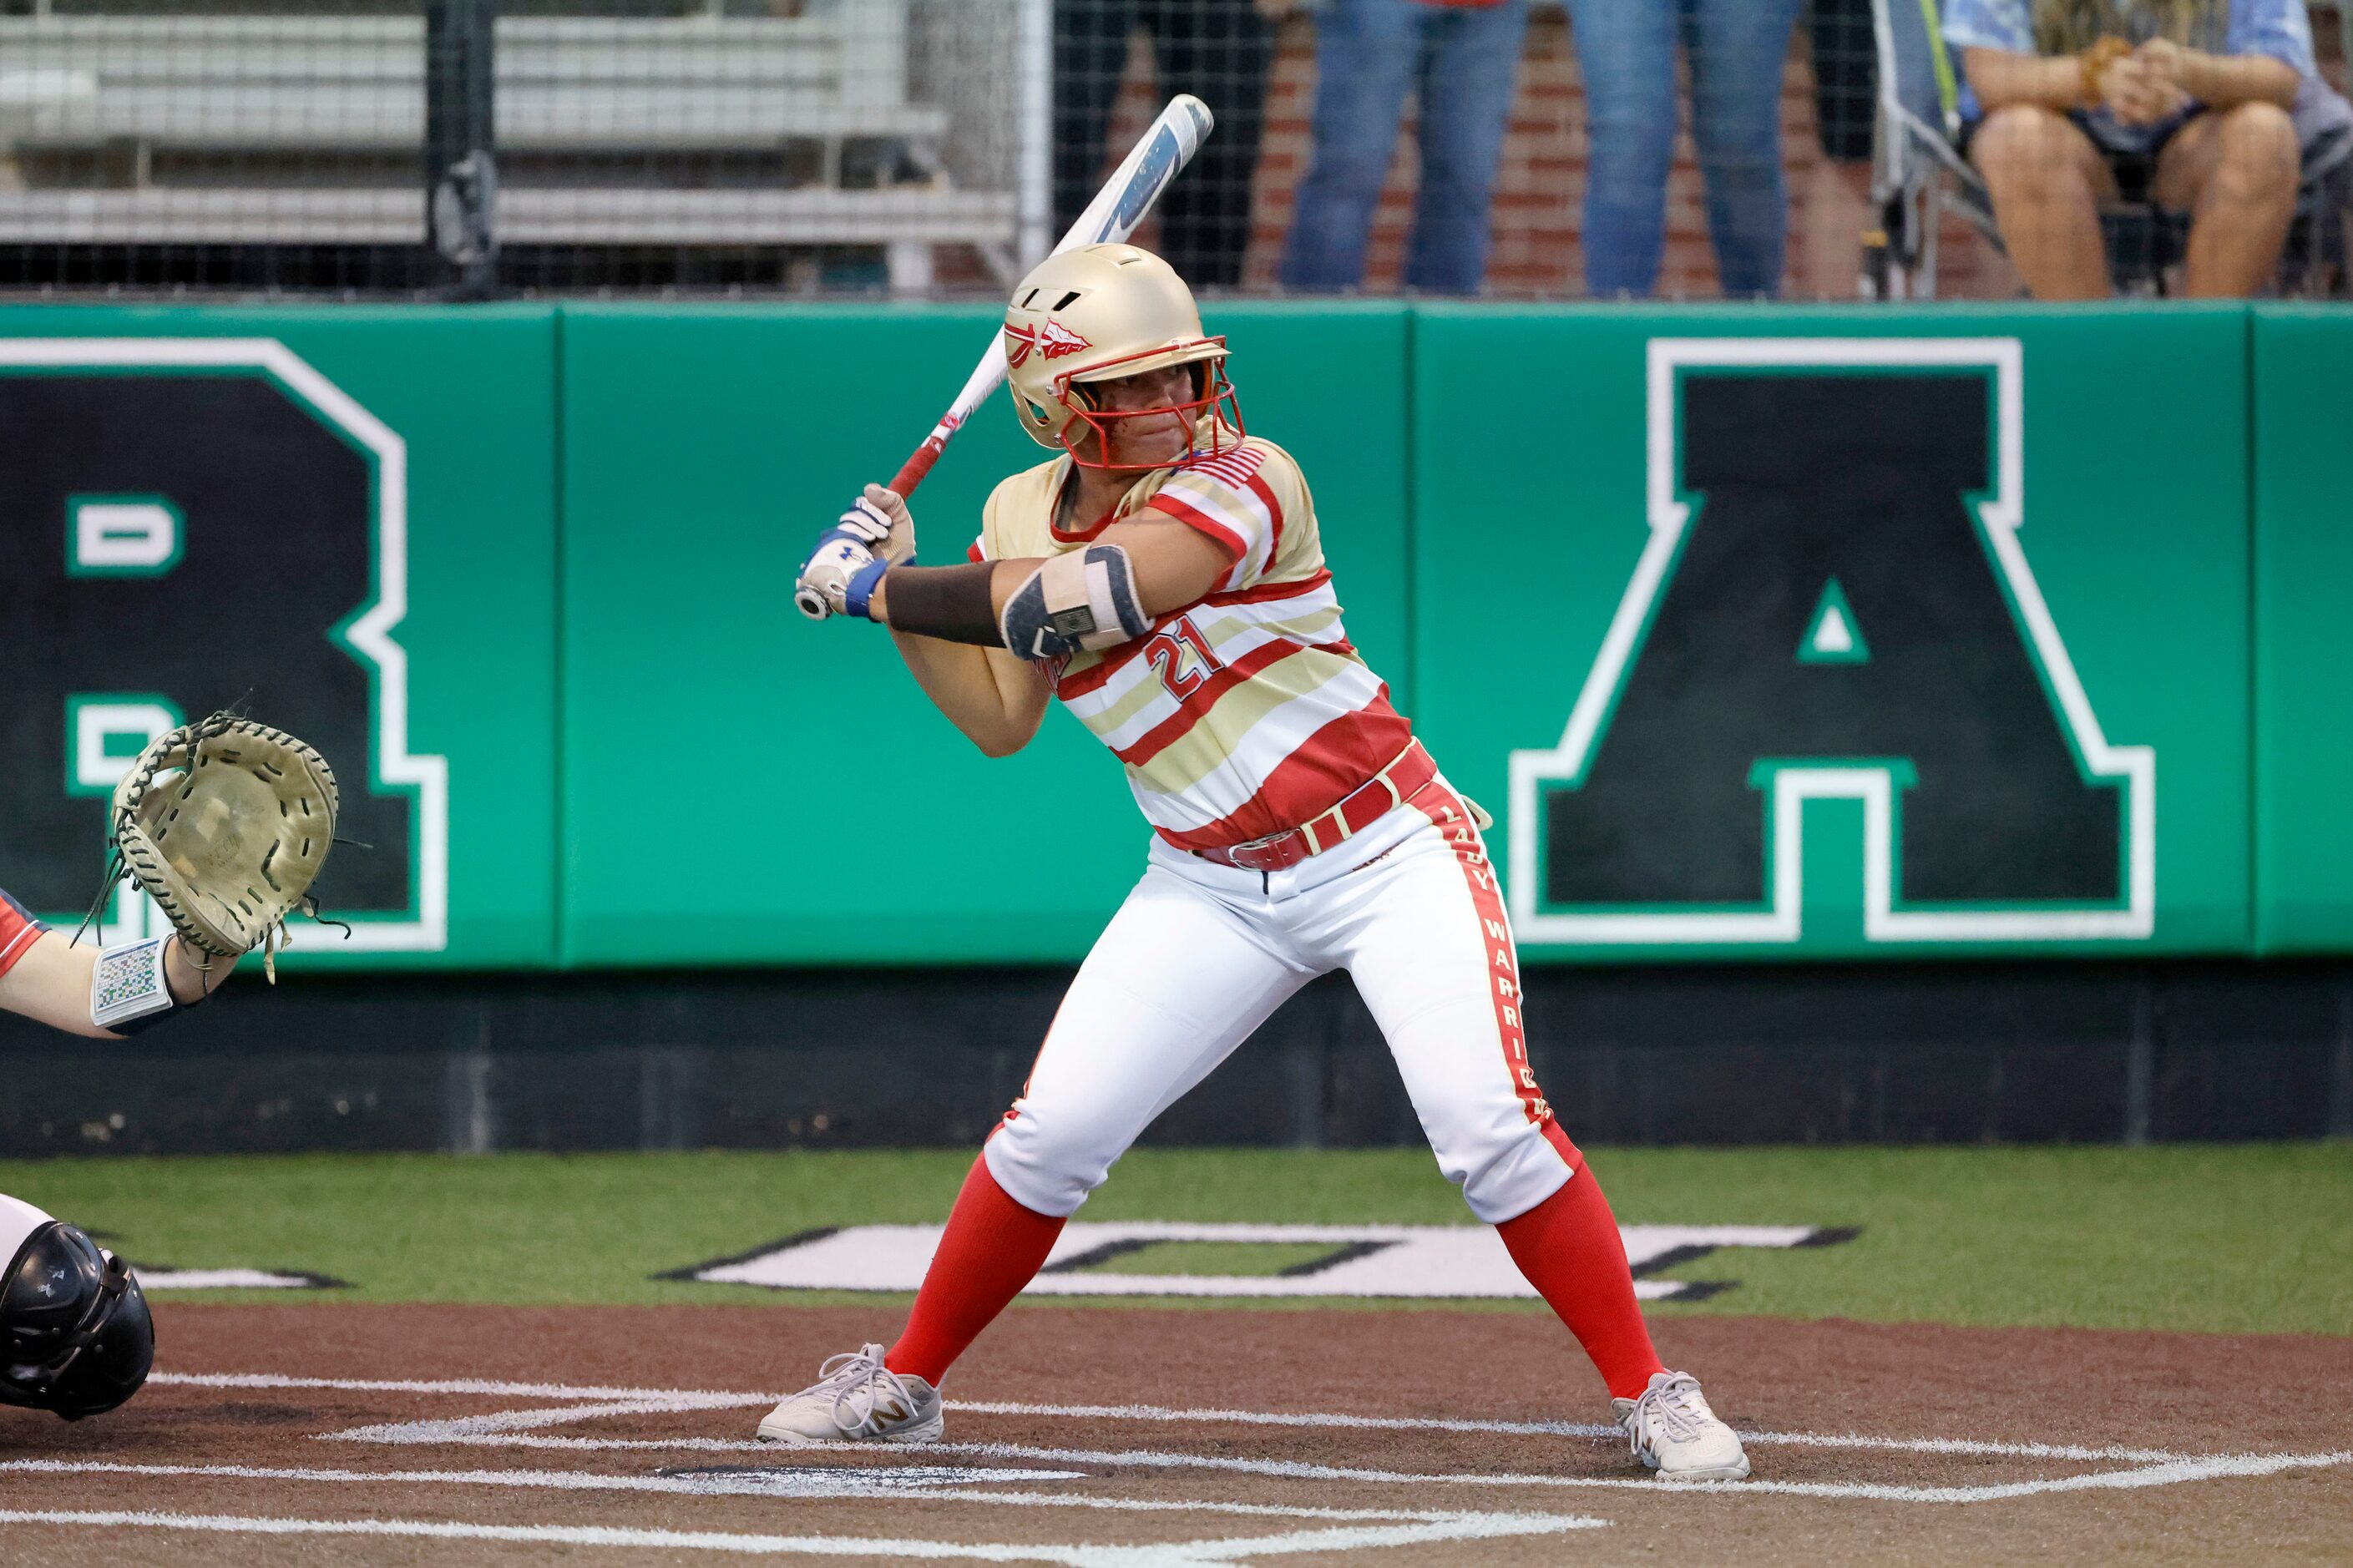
point(526, 1429)
point(1426, 1262)
point(1229, 1552)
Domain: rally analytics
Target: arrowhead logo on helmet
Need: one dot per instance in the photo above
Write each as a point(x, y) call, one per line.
point(1052, 339)
point(1055, 340)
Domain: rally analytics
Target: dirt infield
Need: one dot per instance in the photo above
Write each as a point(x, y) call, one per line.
point(497, 1435)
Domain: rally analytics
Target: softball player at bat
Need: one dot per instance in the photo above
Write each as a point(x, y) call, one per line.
point(1164, 577)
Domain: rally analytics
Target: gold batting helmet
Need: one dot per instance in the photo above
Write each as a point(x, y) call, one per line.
point(1098, 313)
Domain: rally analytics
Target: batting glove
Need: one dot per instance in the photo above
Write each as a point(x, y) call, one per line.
point(883, 524)
point(875, 534)
point(838, 580)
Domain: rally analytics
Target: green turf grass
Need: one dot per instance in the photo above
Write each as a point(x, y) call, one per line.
point(2248, 1238)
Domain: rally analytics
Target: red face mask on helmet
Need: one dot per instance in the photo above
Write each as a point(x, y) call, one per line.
point(1105, 313)
point(1209, 420)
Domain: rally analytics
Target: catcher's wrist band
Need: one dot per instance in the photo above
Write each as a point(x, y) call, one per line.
point(130, 988)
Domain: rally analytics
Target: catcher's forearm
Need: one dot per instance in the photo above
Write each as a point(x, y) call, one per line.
point(51, 983)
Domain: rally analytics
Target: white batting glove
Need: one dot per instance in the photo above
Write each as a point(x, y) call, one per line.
point(850, 556)
point(881, 521)
point(836, 580)
point(876, 533)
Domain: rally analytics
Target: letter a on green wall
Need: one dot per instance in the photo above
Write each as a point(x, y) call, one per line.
point(1799, 492)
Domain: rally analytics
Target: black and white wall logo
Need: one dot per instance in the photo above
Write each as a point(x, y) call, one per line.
point(187, 521)
point(1833, 603)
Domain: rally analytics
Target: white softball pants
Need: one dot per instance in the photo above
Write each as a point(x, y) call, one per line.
point(1200, 954)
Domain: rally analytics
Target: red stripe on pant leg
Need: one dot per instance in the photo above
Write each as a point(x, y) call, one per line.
point(992, 1247)
point(1452, 818)
point(1569, 1246)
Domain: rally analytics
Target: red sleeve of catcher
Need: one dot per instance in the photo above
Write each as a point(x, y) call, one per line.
point(17, 930)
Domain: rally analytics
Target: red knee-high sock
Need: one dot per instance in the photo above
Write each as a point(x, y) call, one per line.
point(993, 1247)
point(1569, 1248)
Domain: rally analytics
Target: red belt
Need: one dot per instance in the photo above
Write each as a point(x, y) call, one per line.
point(1403, 779)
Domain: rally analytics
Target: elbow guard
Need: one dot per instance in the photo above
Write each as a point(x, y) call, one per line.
point(1080, 601)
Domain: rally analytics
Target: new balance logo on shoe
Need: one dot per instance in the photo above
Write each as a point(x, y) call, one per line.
point(856, 1399)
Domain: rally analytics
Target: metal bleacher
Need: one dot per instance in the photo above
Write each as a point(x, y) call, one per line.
point(300, 128)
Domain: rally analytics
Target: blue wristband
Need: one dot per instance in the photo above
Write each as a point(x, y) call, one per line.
point(860, 588)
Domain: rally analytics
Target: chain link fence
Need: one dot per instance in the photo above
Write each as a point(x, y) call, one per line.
point(1527, 148)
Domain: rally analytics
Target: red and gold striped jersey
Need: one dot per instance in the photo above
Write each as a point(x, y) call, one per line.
point(1247, 713)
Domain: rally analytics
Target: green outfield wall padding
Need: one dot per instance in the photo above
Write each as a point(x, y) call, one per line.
point(352, 518)
point(528, 577)
point(742, 786)
point(2304, 625)
point(2038, 521)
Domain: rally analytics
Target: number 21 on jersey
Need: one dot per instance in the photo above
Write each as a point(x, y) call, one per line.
point(1181, 656)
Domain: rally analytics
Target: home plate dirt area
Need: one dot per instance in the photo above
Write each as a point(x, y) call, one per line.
point(1136, 1437)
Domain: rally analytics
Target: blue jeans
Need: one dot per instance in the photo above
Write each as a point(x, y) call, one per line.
point(1626, 52)
point(1460, 61)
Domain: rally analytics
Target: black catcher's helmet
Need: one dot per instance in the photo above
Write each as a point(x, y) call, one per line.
point(75, 1335)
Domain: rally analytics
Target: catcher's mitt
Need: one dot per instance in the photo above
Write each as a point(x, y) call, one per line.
point(225, 823)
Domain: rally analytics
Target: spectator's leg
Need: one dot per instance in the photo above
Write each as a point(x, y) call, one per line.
point(1625, 54)
point(2234, 170)
point(1467, 78)
point(1091, 40)
point(1737, 48)
point(1364, 52)
point(1217, 50)
point(2047, 181)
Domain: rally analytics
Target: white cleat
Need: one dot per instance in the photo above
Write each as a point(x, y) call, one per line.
point(1674, 1432)
point(856, 1399)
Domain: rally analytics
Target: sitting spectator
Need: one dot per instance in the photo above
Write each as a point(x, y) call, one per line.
point(2183, 103)
point(1626, 55)
point(1217, 50)
point(1460, 58)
